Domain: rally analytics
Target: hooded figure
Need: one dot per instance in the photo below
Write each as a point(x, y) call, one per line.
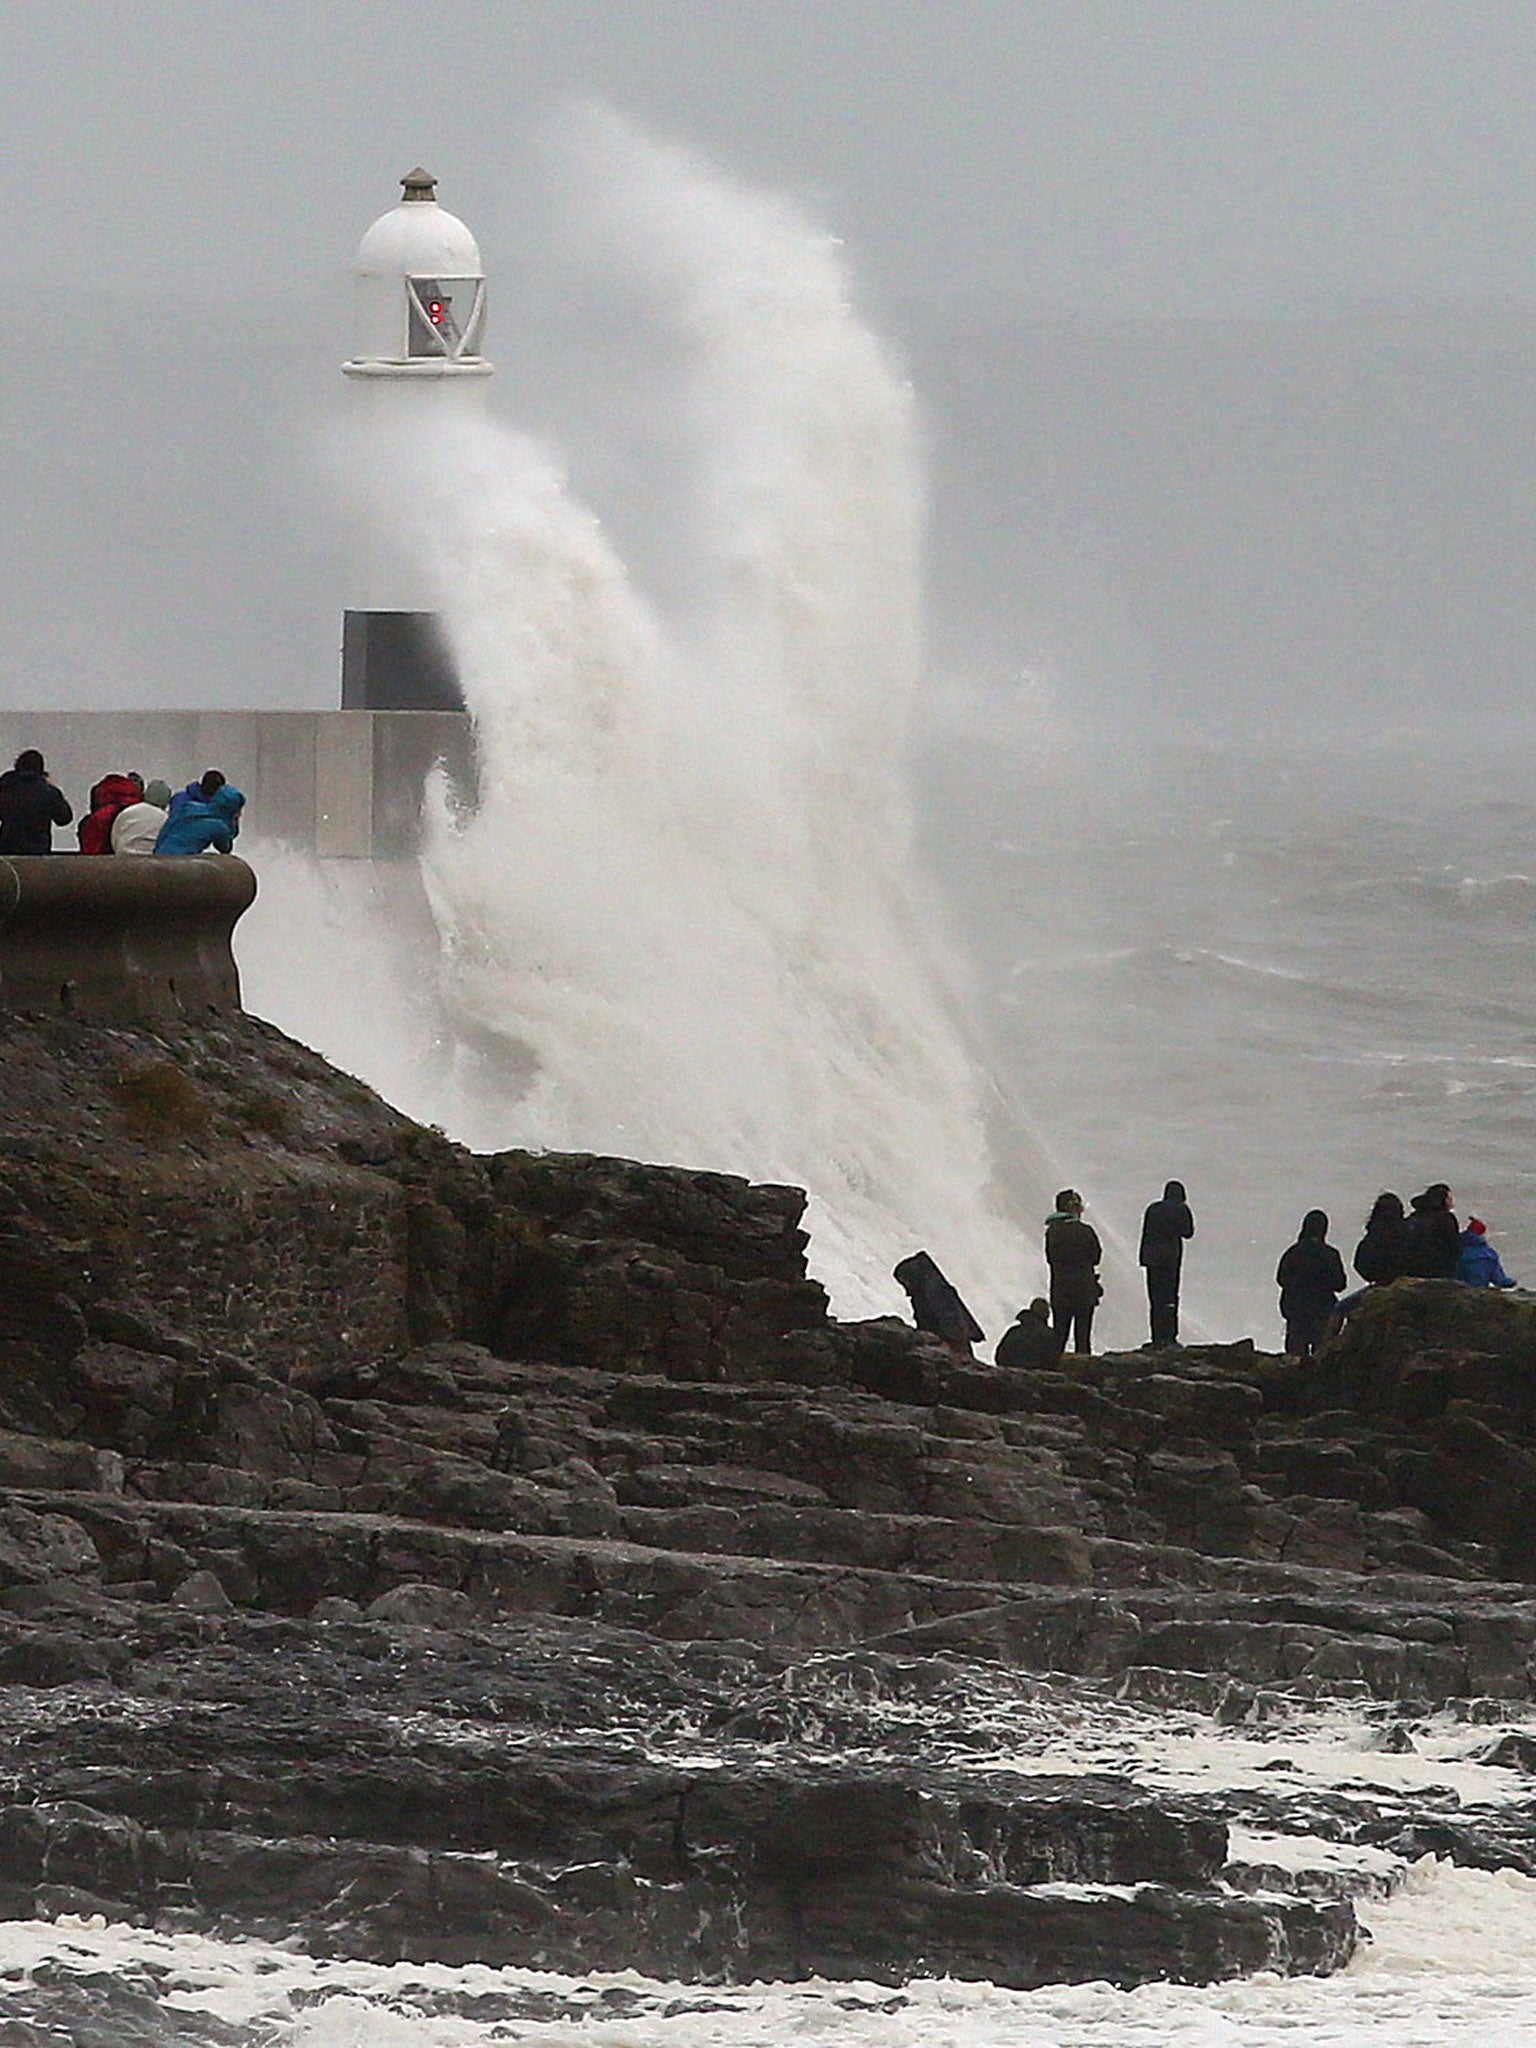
point(1311, 1278)
point(30, 806)
point(1432, 1236)
point(197, 792)
point(936, 1306)
point(1381, 1256)
point(136, 828)
point(114, 793)
point(1073, 1252)
point(1479, 1264)
point(1164, 1229)
point(203, 825)
point(1029, 1339)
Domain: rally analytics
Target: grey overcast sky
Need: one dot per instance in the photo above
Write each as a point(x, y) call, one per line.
point(1222, 315)
point(1146, 156)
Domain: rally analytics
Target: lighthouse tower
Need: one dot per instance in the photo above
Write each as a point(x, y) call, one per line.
point(417, 332)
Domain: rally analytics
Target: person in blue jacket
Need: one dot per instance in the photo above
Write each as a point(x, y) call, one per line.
point(1479, 1264)
point(203, 824)
point(197, 792)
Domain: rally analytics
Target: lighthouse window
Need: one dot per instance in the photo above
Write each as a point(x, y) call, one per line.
point(446, 315)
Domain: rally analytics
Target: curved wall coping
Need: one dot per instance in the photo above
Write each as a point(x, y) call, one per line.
point(113, 938)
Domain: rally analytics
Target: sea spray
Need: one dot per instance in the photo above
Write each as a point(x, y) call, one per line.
point(683, 921)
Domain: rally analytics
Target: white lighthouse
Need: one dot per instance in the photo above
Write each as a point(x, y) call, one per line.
point(418, 329)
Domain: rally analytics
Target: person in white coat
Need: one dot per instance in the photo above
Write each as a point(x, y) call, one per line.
point(136, 828)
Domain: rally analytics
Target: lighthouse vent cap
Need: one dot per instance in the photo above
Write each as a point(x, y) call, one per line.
point(418, 185)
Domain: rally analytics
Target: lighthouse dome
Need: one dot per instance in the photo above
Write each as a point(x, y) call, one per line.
point(418, 238)
point(420, 287)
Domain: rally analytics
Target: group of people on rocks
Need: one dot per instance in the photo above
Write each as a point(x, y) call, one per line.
point(1423, 1240)
point(124, 815)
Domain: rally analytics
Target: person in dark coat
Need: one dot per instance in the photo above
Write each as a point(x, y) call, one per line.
point(1165, 1228)
point(112, 794)
point(1311, 1278)
point(1029, 1339)
point(30, 806)
point(936, 1305)
point(1073, 1252)
point(1431, 1235)
point(1381, 1256)
point(1479, 1264)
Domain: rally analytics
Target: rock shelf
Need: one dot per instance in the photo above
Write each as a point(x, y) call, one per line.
point(423, 1556)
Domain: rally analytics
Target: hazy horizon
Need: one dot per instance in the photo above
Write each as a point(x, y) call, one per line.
point(1221, 326)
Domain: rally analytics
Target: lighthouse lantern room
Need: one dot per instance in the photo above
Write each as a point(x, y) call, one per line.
point(418, 329)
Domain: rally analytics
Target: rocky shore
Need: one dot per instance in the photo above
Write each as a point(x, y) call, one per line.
point(424, 1556)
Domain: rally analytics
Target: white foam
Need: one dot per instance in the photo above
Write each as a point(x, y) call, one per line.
point(1452, 1963)
point(685, 922)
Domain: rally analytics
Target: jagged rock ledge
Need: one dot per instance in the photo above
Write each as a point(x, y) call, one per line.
point(430, 1556)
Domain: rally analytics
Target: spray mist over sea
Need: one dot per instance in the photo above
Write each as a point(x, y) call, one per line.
point(683, 922)
point(687, 923)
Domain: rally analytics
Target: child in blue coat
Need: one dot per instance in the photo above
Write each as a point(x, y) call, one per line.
point(203, 825)
point(1479, 1264)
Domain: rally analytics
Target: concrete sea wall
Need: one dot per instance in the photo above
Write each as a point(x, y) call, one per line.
point(116, 940)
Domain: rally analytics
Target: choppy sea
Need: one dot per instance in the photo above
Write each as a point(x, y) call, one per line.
point(1289, 974)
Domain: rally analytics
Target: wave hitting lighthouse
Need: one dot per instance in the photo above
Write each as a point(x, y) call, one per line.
point(418, 326)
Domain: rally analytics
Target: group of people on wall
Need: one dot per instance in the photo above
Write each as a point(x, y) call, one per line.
point(125, 814)
point(1422, 1240)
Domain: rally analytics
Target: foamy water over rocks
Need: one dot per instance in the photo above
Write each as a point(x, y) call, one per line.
point(1450, 1963)
point(434, 1589)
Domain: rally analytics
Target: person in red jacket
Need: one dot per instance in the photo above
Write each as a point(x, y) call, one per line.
point(112, 794)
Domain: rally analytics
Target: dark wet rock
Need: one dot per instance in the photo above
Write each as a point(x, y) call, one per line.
point(1513, 1752)
point(1028, 1938)
point(452, 1848)
point(44, 1658)
point(41, 1546)
point(385, 1529)
point(422, 1607)
point(1396, 1740)
point(202, 1592)
point(132, 2007)
point(336, 1607)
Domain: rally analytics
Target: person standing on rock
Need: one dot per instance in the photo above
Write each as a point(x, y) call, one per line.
point(1073, 1252)
point(30, 806)
point(1431, 1235)
point(1029, 1342)
point(1165, 1228)
point(936, 1304)
point(1311, 1278)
